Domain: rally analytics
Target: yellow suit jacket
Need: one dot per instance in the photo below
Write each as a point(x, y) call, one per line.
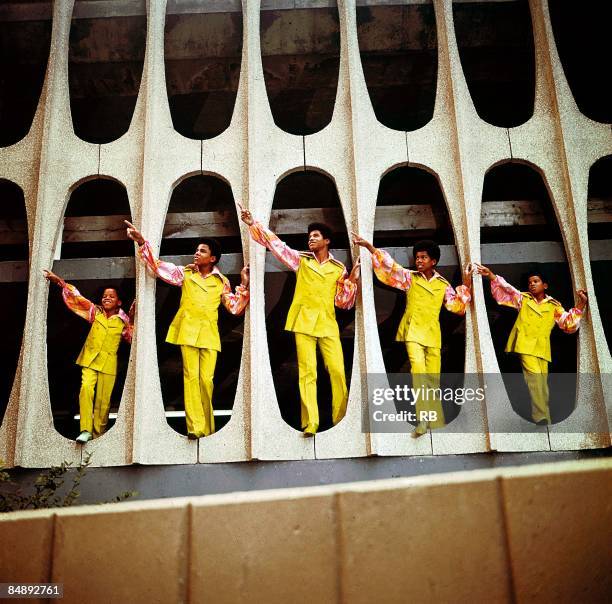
point(100, 349)
point(312, 311)
point(421, 320)
point(531, 331)
point(196, 322)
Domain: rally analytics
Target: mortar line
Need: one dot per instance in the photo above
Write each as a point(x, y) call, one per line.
point(52, 548)
point(504, 525)
point(188, 552)
point(340, 550)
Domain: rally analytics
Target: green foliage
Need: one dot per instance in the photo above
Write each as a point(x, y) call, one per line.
point(48, 488)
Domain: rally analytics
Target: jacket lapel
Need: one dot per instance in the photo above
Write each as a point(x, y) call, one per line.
point(422, 282)
point(313, 265)
point(534, 305)
point(202, 282)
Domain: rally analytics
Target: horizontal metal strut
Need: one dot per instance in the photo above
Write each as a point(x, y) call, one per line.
point(100, 9)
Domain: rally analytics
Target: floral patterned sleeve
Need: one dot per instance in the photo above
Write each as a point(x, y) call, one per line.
point(505, 294)
point(346, 292)
point(128, 329)
point(166, 271)
point(456, 301)
point(390, 272)
point(77, 303)
point(288, 256)
point(568, 321)
point(235, 303)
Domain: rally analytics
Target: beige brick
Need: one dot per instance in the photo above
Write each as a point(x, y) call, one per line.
point(122, 554)
point(276, 550)
point(424, 543)
point(25, 547)
point(560, 535)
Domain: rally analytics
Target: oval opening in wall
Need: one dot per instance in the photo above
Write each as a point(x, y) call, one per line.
point(495, 41)
point(599, 208)
point(302, 198)
point(411, 208)
point(202, 53)
point(105, 63)
point(25, 40)
point(201, 207)
point(520, 235)
point(13, 283)
point(582, 36)
point(300, 53)
point(399, 56)
point(86, 369)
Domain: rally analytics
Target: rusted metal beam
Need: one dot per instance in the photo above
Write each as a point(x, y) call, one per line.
point(189, 225)
point(231, 264)
point(100, 9)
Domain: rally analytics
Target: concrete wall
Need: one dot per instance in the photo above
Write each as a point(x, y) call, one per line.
point(252, 155)
point(536, 534)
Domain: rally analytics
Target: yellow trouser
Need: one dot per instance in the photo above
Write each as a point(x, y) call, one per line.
point(198, 371)
point(426, 360)
point(535, 371)
point(94, 400)
point(331, 349)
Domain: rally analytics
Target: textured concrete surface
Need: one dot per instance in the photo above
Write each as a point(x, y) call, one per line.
point(503, 535)
point(288, 551)
point(146, 568)
point(31, 534)
point(355, 150)
point(421, 544)
point(571, 512)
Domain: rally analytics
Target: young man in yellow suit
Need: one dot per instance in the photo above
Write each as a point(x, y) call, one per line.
point(98, 357)
point(195, 327)
point(530, 336)
point(322, 282)
point(426, 292)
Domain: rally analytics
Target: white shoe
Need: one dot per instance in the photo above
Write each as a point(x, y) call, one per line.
point(84, 437)
point(420, 430)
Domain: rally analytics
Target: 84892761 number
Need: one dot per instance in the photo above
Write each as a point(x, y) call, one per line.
point(31, 590)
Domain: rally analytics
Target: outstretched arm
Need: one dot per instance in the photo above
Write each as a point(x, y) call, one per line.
point(385, 268)
point(282, 252)
point(569, 321)
point(346, 288)
point(128, 321)
point(166, 271)
point(235, 303)
point(503, 293)
point(456, 301)
point(73, 299)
